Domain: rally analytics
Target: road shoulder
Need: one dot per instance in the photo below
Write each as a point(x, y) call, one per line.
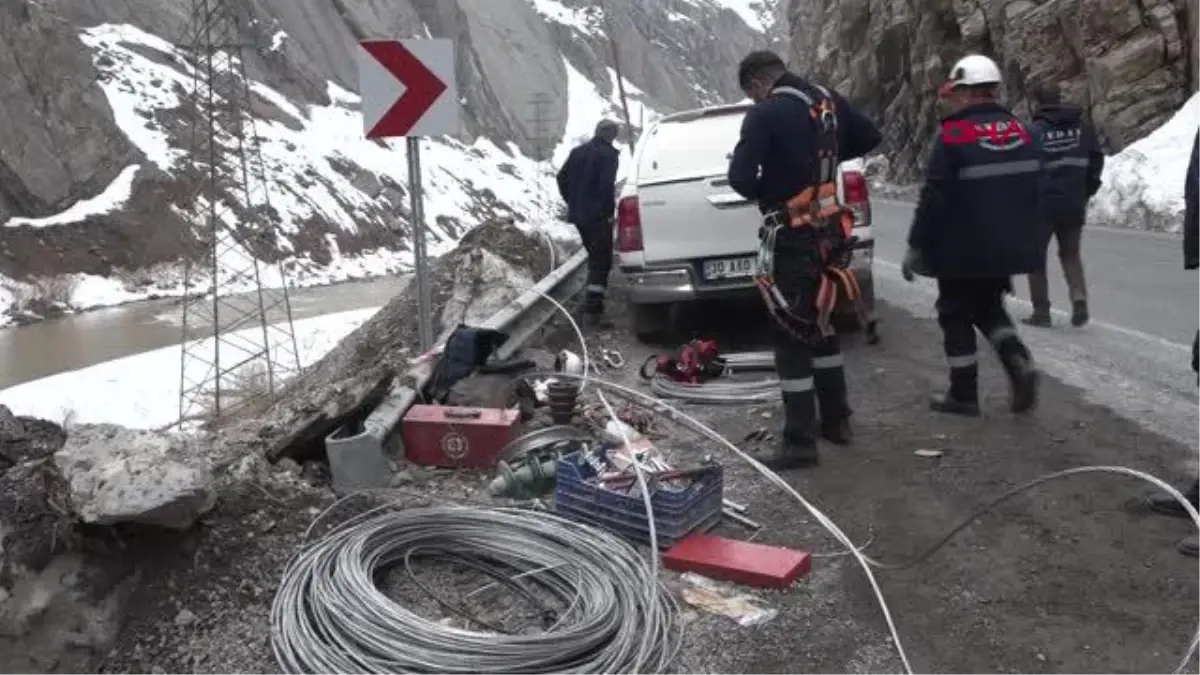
point(1067, 578)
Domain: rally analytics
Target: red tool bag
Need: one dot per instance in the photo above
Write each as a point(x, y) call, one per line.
point(694, 363)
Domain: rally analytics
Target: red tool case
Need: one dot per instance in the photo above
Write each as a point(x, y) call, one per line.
point(459, 438)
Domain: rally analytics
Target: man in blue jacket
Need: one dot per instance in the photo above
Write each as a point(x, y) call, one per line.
point(786, 160)
point(978, 222)
point(1074, 164)
point(1191, 261)
point(587, 183)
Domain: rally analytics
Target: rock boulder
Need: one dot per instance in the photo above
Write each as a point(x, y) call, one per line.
point(119, 475)
point(1128, 62)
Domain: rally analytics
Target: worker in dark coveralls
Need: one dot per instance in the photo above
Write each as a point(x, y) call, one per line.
point(1074, 164)
point(587, 183)
point(978, 222)
point(1191, 260)
point(786, 151)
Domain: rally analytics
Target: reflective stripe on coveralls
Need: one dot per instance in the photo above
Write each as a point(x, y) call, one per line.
point(796, 386)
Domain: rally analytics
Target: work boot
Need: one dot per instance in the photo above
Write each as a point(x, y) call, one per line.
point(1079, 313)
point(1023, 380)
point(948, 403)
point(837, 432)
point(1039, 319)
point(1168, 506)
point(793, 456)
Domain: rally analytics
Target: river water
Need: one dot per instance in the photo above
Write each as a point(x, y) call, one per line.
point(81, 340)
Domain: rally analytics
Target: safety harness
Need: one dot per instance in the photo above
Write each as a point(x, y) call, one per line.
point(819, 208)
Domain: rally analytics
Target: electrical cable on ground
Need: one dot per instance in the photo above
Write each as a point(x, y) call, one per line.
point(717, 391)
point(329, 616)
point(866, 562)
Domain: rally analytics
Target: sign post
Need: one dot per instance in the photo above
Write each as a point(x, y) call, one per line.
point(416, 202)
point(409, 90)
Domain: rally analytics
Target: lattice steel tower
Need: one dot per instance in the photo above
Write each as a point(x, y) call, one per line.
point(238, 344)
point(544, 149)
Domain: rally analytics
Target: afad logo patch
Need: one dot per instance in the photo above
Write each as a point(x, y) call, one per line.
point(999, 136)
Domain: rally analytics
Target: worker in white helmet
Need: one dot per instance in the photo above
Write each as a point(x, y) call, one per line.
point(978, 222)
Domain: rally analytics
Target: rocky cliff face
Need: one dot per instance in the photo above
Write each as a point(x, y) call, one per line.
point(96, 178)
point(1131, 63)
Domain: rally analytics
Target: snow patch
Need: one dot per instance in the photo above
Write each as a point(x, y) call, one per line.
point(586, 106)
point(584, 20)
point(1143, 184)
point(751, 11)
point(138, 392)
point(277, 40)
point(111, 199)
point(91, 291)
point(758, 15)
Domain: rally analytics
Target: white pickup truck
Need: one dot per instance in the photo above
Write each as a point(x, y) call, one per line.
point(683, 235)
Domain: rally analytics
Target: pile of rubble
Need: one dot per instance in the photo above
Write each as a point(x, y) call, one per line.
point(119, 507)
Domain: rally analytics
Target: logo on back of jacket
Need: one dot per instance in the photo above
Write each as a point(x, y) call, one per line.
point(1062, 140)
point(997, 136)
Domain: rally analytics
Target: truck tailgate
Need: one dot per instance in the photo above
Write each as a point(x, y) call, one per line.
point(699, 219)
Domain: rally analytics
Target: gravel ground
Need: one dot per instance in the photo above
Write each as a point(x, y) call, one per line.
point(1008, 595)
point(1071, 577)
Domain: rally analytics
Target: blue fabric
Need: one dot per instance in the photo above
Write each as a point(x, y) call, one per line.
point(587, 182)
point(980, 214)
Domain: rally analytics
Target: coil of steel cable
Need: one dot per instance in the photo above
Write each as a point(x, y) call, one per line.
point(615, 616)
point(717, 391)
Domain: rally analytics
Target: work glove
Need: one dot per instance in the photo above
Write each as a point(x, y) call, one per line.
point(912, 263)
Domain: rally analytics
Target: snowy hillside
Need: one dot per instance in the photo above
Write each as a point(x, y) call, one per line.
point(337, 202)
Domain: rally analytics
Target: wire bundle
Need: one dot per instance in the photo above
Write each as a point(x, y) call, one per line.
point(717, 391)
point(330, 617)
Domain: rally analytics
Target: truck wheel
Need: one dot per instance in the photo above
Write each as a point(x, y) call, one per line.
point(651, 323)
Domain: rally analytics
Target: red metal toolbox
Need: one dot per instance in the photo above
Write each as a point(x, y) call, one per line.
point(459, 438)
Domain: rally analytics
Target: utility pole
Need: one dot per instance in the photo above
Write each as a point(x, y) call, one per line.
point(610, 31)
point(238, 342)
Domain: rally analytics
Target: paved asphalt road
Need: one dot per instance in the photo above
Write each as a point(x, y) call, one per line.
point(1135, 355)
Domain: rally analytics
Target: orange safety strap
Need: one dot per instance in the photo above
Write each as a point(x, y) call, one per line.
point(818, 207)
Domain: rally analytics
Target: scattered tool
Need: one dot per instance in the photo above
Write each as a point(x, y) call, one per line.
point(612, 358)
point(453, 437)
point(617, 480)
point(695, 362)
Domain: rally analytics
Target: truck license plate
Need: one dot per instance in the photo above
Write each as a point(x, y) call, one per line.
point(729, 268)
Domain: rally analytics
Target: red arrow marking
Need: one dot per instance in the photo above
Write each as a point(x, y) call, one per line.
point(423, 87)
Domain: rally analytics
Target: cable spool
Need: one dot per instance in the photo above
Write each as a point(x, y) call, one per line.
point(611, 614)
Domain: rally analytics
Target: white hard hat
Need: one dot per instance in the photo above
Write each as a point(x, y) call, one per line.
point(974, 69)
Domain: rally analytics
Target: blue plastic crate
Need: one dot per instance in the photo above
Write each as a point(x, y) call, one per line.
point(676, 513)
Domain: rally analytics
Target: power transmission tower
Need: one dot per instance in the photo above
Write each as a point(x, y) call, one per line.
point(238, 342)
point(544, 150)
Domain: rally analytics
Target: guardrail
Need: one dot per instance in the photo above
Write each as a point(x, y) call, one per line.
point(357, 459)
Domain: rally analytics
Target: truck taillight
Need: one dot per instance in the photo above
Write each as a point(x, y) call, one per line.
point(857, 196)
point(629, 225)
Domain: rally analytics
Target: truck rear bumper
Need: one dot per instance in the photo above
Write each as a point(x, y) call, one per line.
point(678, 282)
